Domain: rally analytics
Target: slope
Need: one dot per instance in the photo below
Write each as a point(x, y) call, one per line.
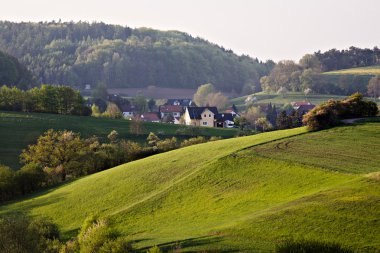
point(235, 194)
point(80, 53)
point(18, 130)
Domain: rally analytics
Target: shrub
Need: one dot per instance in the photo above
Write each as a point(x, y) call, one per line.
point(329, 113)
point(19, 234)
point(310, 247)
point(193, 141)
point(154, 249)
point(167, 144)
point(215, 138)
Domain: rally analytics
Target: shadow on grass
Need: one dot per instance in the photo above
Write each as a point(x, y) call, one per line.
point(191, 242)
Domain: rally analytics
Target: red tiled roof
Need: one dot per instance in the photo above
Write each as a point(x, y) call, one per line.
point(149, 116)
point(171, 108)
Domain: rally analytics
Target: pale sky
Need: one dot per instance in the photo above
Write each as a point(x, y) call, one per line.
point(267, 29)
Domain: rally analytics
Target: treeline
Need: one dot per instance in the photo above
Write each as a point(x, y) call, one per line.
point(47, 99)
point(14, 73)
point(333, 111)
point(81, 53)
point(62, 155)
point(306, 76)
point(348, 58)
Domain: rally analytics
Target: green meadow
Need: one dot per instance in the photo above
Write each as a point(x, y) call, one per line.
point(18, 130)
point(371, 70)
point(279, 100)
point(244, 194)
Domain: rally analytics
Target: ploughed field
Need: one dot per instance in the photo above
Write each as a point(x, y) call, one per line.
point(240, 194)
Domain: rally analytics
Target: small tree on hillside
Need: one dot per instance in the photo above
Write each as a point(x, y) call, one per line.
point(373, 88)
point(152, 139)
point(282, 91)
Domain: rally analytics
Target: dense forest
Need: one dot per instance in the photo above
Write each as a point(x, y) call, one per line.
point(14, 73)
point(83, 53)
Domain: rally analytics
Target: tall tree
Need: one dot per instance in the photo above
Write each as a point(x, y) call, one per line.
point(373, 88)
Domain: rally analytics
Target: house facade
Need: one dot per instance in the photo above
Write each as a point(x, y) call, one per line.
point(174, 110)
point(201, 116)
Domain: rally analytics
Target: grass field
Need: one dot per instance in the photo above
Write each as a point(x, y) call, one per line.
point(278, 100)
point(371, 70)
point(241, 194)
point(21, 129)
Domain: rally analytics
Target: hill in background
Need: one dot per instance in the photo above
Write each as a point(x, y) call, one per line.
point(13, 73)
point(80, 53)
point(241, 194)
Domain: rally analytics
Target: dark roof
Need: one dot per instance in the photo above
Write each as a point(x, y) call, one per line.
point(196, 112)
point(222, 117)
point(127, 108)
point(170, 108)
point(181, 102)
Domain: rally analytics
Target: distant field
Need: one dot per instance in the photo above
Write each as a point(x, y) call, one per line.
point(21, 129)
point(265, 98)
point(237, 195)
point(154, 92)
point(372, 70)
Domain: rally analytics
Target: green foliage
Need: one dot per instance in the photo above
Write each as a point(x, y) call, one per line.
point(193, 141)
point(12, 73)
point(7, 182)
point(18, 130)
point(200, 97)
point(82, 53)
point(310, 247)
point(112, 111)
point(154, 249)
point(19, 234)
point(328, 114)
point(244, 194)
point(152, 139)
point(373, 88)
point(48, 99)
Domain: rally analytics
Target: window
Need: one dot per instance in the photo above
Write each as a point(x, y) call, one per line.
point(209, 115)
point(204, 123)
point(204, 115)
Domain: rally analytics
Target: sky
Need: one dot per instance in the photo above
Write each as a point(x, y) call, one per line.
point(266, 29)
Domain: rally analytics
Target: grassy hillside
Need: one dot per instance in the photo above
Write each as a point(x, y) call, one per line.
point(21, 129)
point(371, 70)
point(237, 194)
point(265, 98)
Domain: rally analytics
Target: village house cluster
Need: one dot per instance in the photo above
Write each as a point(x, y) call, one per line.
point(185, 111)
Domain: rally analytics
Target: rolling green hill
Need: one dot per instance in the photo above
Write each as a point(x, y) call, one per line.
point(371, 70)
point(241, 194)
point(18, 130)
point(80, 53)
point(279, 100)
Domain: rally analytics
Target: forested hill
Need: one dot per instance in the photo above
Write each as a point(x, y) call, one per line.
point(14, 73)
point(82, 53)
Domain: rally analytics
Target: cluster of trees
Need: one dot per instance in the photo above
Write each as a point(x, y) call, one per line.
point(20, 234)
point(269, 118)
point(82, 53)
point(206, 95)
point(306, 74)
point(348, 58)
point(13, 73)
point(328, 114)
point(61, 155)
point(373, 88)
point(47, 99)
